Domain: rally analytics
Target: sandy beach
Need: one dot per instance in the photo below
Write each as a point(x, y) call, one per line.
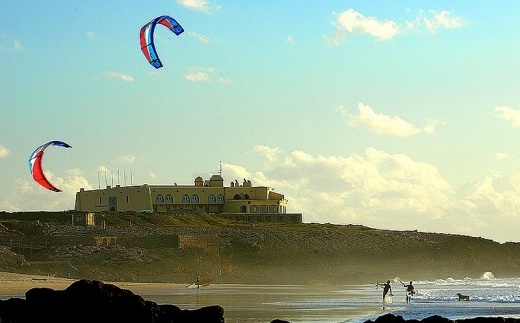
point(309, 303)
point(12, 284)
point(254, 303)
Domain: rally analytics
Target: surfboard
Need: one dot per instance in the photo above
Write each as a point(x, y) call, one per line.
point(388, 299)
point(200, 283)
point(206, 281)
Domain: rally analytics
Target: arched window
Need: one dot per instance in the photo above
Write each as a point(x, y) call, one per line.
point(247, 197)
point(237, 197)
point(169, 198)
point(159, 199)
point(243, 209)
point(194, 198)
point(185, 198)
point(212, 198)
point(220, 198)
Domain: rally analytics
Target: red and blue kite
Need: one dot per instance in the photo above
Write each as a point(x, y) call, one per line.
point(35, 164)
point(146, 36)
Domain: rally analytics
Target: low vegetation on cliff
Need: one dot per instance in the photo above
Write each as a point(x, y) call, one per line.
point(180, 247)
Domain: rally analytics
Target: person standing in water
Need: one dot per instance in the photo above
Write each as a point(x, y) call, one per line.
point(410, 291)
point(386, 288)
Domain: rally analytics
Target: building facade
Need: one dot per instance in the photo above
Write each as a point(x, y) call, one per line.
point(242, 202)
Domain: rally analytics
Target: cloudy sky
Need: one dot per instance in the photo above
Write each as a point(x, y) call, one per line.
point(400, 116)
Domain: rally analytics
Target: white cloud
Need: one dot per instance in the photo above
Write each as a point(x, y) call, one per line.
point(4, 152)
point(509, 114)
point(496, 195)
point(200, 5)
point(290, 40)
point(379, 123)
point(500, 155)
point(337, 38)
point(34, 197)
point(270, 153)
point(120, 76)
point(224, 80)
point(355, 22)
point(197, 76)
point(200, 38)
point(126, 159)
point(442, 20)
point(390, 191)
point(103, 169)
point(201, 74)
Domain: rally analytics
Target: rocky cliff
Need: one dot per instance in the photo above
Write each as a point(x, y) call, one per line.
point(180, 247)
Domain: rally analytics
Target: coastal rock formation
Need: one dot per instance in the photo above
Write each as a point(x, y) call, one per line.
point(137, 247)
point(95, 301)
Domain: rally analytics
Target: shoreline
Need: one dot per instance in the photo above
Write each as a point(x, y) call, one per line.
point(324, 303)
point(16, 285)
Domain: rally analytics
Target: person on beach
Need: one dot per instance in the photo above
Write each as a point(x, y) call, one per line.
point(386, 288)
point(410, 291)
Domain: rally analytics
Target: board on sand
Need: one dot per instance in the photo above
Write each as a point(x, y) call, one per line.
point(200, 283)
point(206, 281)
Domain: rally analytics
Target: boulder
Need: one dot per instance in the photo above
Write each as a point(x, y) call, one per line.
point(94, 301)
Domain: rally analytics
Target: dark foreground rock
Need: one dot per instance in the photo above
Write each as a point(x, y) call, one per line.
point(94, 301)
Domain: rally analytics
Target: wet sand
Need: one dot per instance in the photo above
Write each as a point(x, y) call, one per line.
point(241, 303)
point(18, 284)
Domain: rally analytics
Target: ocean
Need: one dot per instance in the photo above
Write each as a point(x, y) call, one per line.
point(489, 296)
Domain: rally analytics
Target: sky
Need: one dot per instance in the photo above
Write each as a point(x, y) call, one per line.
point(401, 115)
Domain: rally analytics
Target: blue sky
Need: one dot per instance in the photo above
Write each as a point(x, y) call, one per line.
point(403, 115)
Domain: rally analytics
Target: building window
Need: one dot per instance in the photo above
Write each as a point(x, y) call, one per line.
point(263, 208)
point(185, 198)
point(212, 198)
point(220, 198)
point(237, 197)
point(273, 208)
point(159, 199)
point(247, 197)
point(169, 198)
point(243, 209)
point(194, 198)
point(254, 208)
point(127, 199)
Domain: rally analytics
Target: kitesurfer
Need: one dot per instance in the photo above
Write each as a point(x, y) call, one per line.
point(410, 291)
point(386, 288)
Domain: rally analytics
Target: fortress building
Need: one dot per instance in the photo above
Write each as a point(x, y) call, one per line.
point(242, 202)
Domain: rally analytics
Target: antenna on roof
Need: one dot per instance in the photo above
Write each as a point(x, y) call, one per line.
point(220, 168)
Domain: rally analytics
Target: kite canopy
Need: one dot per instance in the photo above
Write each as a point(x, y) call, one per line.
point(146, 36)
point(35, 164)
